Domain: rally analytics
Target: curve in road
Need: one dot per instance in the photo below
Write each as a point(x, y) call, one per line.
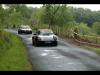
point(64, 57)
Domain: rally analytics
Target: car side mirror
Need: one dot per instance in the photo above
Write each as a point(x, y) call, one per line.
point(34, 34)
point(55, 33)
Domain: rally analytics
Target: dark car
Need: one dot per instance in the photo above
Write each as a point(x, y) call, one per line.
point(44, 36)
point(25, 29)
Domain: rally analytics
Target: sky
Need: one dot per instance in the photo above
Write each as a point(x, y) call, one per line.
point(93, 7)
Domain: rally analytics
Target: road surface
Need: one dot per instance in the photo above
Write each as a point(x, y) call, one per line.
point(64, 57)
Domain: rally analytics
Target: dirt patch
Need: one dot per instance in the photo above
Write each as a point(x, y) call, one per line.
point(80, 42)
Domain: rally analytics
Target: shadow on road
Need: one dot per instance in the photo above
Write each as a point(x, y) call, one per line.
point(45, 45)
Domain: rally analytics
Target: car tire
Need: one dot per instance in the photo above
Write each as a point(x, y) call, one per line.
point(32, 42)
point(55, 43)
point(18, 32)
point(35, 43)
point(30, 32)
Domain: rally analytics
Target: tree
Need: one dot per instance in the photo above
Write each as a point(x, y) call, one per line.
point(18, 14)
point(2, 16)
point(96, 27)
point(84, 29)
point(85, 15)
point(48, 14)
point(63, 18)
point(70, 27)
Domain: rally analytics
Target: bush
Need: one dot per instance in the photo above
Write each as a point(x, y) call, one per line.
point(13, 54)
point(84, 29)
point(96, 27)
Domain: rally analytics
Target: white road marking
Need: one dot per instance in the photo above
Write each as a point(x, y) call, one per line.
point(57, 57)
point(70, 63)
point(47, 50)
point(29, 38)
point(52, 55)
point(44, 54)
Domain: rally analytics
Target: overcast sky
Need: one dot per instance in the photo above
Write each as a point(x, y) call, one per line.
point(93, 7)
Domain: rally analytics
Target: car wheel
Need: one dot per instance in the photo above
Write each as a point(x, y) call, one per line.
point(18, 32)
point(55, 43)
point(30, 32)
point(32, 42)
point(37, 43)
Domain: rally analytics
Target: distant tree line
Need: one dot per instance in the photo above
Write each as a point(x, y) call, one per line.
point(61, 18)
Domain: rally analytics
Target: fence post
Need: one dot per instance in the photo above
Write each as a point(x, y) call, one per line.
point(96, 39)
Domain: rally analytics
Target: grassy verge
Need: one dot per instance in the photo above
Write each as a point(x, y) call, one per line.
point(91, 48)
point(94, 49)
point(13, 54)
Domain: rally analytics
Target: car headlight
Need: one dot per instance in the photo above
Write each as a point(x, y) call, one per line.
point(30, 30)
point(39, 38)
point(55, 38)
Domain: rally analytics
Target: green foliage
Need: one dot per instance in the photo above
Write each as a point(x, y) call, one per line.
point(94, 49)
point(53, 15)
point(48, 14)
point(58, 17)
point(69, 28)
point(96, 27)
point(2, 16)
point(85, 15)
point(84, 29)
point(64, 15)
point(13, 54)
point(15, 15)
point(4, 41)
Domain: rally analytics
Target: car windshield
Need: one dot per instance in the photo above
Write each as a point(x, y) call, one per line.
point(25, 27)
point(47, 33)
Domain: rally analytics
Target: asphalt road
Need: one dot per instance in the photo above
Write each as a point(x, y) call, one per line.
point(64, 57)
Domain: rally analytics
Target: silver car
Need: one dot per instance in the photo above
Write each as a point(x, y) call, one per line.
point(44, 36)
point(24, 29)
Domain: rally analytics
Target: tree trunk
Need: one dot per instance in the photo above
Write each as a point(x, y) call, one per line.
point(49, 26)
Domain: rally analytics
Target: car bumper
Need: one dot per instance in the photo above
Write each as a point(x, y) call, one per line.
point(27, 32)
point(47, 42)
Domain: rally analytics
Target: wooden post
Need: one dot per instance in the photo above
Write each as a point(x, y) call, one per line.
point(96, 40)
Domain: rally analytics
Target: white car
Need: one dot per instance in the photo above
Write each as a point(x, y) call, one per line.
point(25, 29)
point(44, 36)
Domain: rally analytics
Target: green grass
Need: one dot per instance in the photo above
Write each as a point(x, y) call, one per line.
point(13, 54)
point(94, 49)
point(91, 38)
